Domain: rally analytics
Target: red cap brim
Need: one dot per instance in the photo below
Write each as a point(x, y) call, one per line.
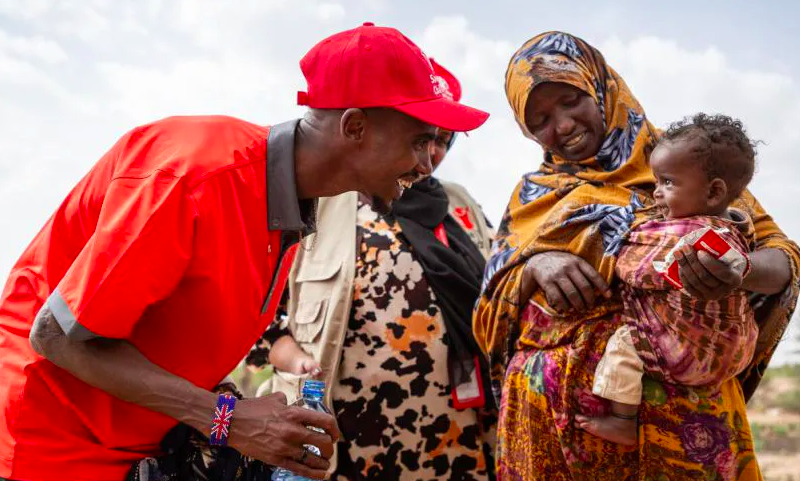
point(445, 114)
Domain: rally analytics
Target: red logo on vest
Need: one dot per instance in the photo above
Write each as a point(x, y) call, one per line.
point(462, 213)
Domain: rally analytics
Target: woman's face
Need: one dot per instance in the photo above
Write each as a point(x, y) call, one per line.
point(438, 147)
point(565, 120)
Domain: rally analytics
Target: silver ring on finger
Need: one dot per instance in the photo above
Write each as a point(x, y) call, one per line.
point(303, 456)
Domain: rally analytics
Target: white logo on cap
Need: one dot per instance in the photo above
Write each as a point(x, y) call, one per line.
point(440, 87)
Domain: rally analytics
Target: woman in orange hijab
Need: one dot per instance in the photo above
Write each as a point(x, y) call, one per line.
point(547, 309)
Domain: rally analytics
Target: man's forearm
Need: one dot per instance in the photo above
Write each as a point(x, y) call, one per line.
point(119, 369)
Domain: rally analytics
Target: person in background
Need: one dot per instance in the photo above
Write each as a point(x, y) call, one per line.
point(380, 308)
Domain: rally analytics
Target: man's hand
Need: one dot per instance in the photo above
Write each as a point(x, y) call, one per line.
point(267, 429)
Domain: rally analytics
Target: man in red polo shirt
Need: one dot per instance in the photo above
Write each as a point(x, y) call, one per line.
point(165, 263)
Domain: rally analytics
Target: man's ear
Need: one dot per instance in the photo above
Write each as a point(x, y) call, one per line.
point(717, 192)
point(353, 124)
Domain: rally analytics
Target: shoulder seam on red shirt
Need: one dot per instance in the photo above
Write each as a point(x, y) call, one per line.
point(189, 189)
point(149, 174)
point(203, 178)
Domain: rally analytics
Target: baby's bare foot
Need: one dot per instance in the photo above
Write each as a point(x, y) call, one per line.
point(616, 430)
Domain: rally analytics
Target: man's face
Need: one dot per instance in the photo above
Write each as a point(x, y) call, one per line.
point(394, 153)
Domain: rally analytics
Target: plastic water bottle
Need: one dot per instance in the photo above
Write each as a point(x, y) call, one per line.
point(313, 394)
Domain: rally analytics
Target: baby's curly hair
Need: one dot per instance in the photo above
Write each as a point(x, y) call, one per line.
point(718, 139)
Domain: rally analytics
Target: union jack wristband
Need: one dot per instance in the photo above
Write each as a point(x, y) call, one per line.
point(221, 424)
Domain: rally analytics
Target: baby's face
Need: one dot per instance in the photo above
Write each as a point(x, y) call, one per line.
point(682, 187)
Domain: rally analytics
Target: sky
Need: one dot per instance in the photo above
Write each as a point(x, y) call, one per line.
point(77, 74)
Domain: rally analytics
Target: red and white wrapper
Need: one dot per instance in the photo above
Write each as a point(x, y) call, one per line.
point(709, 240)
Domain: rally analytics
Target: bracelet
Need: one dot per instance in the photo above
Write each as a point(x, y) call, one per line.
point(221, 424)
point(626, 417)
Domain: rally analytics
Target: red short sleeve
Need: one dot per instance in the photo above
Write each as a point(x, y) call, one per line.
point(137, 255)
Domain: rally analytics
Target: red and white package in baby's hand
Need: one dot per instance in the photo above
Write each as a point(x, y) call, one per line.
point(706, 239)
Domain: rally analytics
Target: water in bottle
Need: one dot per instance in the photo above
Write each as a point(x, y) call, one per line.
point(313, 394)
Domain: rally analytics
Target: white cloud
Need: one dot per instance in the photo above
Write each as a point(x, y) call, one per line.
point(33, 48)
point(213, 23)
point(198, 86)
point(330, 11)
point(88, 20)
point(216, 25)
point(377, 6)
point(25, 9)
point(480, 62)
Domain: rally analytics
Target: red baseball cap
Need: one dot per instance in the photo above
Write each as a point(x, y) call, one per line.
point(373, 66)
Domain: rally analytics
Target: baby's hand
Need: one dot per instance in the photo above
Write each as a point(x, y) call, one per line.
point(306, 365)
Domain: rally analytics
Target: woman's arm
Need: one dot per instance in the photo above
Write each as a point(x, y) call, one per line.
point(286, 355)
point(770, 272)
point(278, 348)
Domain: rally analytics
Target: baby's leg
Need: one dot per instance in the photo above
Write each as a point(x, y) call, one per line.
point(618, 428)
point(618, 378)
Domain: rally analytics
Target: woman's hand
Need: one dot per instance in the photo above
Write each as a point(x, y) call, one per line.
point(567, 281)
point(306, 365)
point(286, 355)
point(705, 277)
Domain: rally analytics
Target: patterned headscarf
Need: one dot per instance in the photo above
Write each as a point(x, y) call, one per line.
point(562, 58)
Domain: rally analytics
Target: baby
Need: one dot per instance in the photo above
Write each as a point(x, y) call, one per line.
point(701, 166)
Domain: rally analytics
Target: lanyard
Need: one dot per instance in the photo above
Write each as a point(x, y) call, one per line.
point(441, 234)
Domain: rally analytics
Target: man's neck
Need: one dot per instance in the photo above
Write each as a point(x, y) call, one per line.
point(318, 165)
